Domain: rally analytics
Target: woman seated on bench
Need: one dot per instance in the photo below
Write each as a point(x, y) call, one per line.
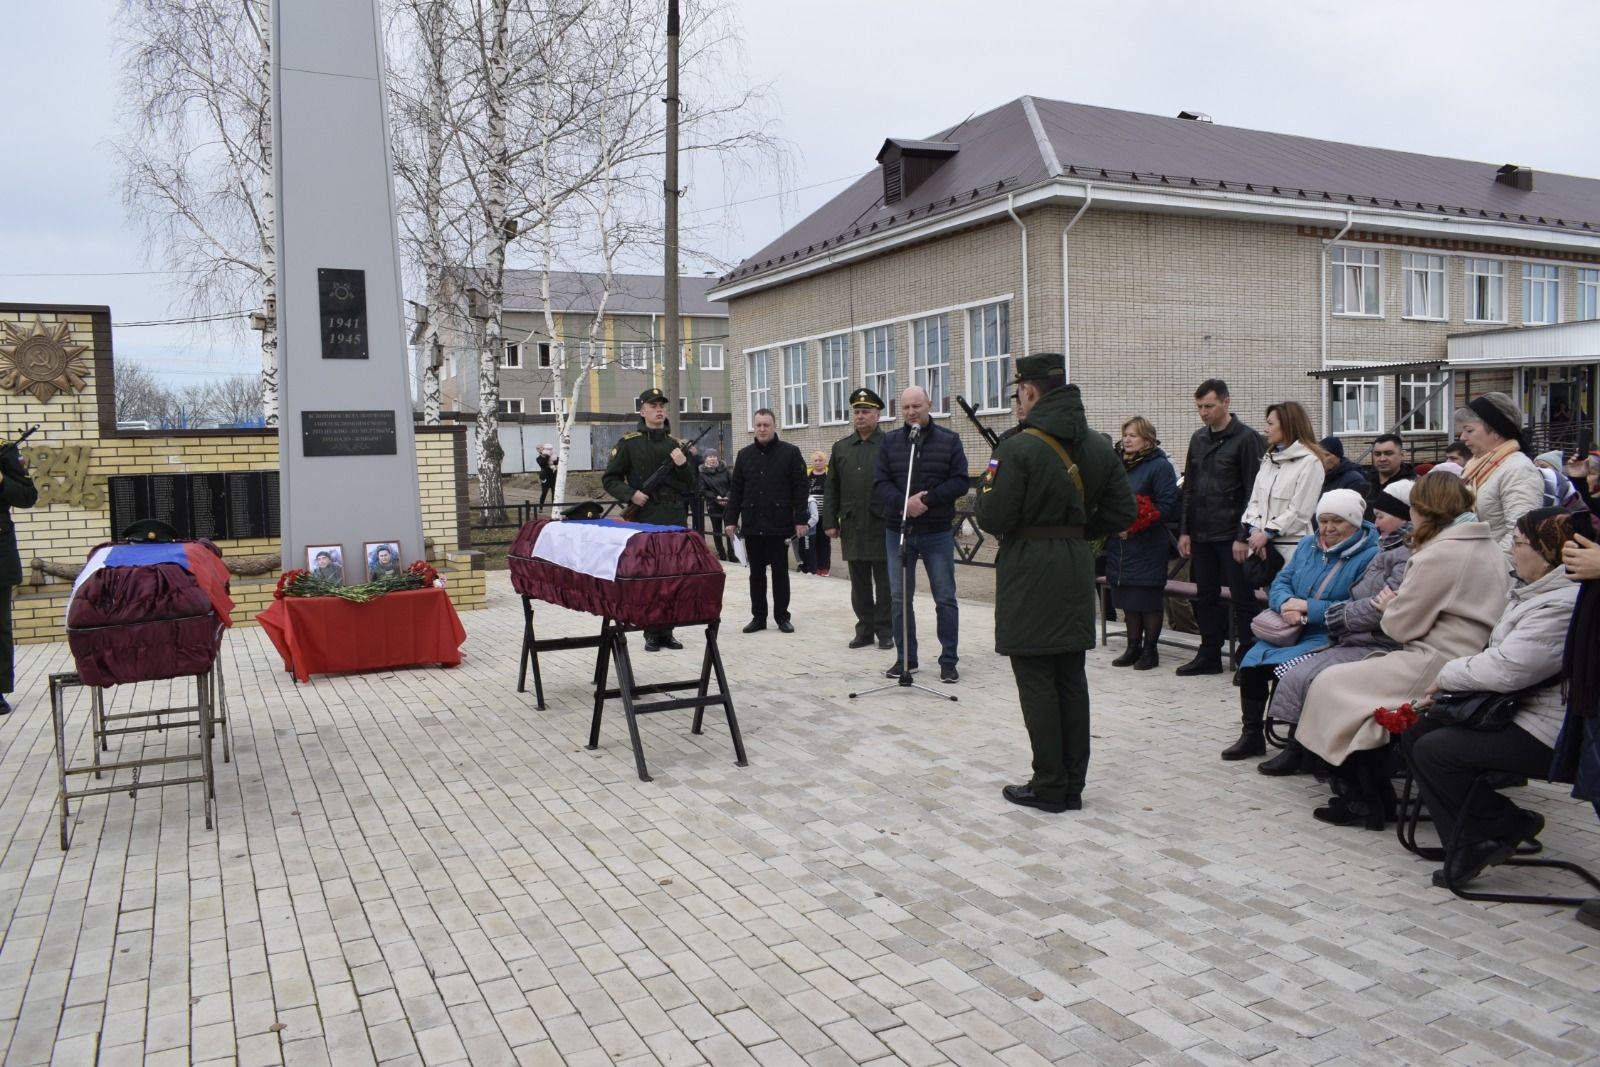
point(1453, 593)
point(1324, 567)
point(1524, 650)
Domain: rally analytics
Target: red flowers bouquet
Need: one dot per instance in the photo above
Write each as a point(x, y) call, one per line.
point(1148, 515)
point(304, 583)
point(1397, 720)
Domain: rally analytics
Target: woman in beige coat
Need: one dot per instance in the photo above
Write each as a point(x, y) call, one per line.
point(1283, 501)
point(1453, 593)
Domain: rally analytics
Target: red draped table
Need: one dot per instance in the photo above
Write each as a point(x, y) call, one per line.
point(331, 635)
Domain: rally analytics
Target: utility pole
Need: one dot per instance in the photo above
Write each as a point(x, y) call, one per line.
point(672, 346)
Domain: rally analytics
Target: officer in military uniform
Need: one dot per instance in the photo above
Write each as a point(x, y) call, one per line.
point(1050, 490)
point(16, 491)
point(851, 517)
point(636, 457)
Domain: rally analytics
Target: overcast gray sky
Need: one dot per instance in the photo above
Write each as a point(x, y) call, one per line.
point(1476, 79)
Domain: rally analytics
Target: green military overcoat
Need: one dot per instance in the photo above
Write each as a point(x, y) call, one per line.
point(1044, 589)
point(635, 458)
point(847, 502)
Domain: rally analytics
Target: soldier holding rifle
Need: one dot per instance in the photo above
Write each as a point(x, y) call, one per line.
point(16, 491)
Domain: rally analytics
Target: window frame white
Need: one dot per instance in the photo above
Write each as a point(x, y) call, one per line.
point(593, 354)
point(1474, 267)
point(705, 350)
point(683, 405)
point(1413, 388)
point(1343, 271)
point(981, 364)
point(1543, 290)
point(552, 405)
point(705, 405)
point(1431, 268)
point(636, 355)
point(504, 406)
point(760, 357)
point(511, 355)
point(834, 389)
point(1587, 281)
point(793, 385)
point(1360, 381)
point(881, 381)
point(935, 328)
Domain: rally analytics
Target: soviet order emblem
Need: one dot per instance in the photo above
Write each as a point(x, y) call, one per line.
point(43, 361)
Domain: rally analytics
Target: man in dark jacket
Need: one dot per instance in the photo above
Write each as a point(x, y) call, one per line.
point(1339, 472)
point(1049, 491)
point(937, 480)
point(1388, 464)
point(1224, 456)
point(855, 520)
point(767, 505)
point(715, 484)
point(16, 491)
point(637, 456)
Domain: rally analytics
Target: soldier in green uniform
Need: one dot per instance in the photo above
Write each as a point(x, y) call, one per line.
point(850, 517)
point(635, 458)
point(16, 491)
point(1051, 489)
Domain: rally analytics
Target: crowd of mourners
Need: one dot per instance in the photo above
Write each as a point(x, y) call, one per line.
point(1441, 620)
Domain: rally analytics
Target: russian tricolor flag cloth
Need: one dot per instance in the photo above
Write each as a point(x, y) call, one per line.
point(210, 573)
point(590, 546)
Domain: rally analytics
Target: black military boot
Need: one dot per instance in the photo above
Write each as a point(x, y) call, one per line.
point(1252, 740)
point(1131, 654)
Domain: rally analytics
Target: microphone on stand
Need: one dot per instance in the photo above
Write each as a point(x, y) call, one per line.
point(915, 431)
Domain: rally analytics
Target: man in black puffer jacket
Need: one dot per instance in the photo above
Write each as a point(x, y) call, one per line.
point(767, 505)
point(938, 480)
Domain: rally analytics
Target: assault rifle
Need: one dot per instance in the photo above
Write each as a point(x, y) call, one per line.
point(11, 451)
point(989, 435)
point(661, 474)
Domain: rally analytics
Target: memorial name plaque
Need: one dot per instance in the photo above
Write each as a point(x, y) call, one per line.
point(347, 433)
point(218, 505)
point(342, 297)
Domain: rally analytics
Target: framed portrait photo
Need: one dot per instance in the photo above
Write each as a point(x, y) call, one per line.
point(326, 562)
point(383, 559)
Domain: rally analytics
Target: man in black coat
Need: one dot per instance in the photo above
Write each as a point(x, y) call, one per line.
point(1388, 464)
point(1218, 475)
point(16, 491)
point(767, 505)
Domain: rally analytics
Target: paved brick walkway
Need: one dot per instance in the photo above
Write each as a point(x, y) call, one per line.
point(418, 867)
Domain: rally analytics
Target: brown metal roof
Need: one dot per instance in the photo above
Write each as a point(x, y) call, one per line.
point(1000, 154)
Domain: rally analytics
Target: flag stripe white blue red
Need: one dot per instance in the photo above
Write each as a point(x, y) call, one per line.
point(590, 546)
point(197, 559)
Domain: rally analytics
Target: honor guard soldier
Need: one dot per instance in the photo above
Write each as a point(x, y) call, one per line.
point(636, 457)
point(1049, 491)
point(16, 491)
point(851, 517)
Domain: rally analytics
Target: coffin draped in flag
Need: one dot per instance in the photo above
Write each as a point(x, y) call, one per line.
point(636, 574)
point(147, 611)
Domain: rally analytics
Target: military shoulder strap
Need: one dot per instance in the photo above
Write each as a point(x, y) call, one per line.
point(1066, 458)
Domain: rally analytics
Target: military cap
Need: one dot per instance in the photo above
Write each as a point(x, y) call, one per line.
point(589, 509)
point(651, 395)
point(865, 398)
point(149, 530)
point(1039, 366)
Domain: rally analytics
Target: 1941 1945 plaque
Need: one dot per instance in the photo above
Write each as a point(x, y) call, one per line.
point(342, 300)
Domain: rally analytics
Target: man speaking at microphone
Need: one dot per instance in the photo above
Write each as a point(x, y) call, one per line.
point(938, 478)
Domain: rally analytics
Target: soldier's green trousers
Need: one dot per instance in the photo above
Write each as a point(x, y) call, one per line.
point(1054, 693)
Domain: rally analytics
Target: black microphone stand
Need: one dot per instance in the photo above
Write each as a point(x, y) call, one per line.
point(907, 572)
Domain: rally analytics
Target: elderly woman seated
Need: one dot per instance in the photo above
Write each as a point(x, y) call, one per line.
point(1453, 593)
point(1353, 630)
point(1524, 651)
point(1319, 575)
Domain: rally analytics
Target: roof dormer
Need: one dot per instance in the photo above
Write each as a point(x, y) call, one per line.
point(907, 164)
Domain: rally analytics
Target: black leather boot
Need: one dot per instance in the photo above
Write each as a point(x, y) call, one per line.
point(1290, 761)
point(1252, 739)
point(1130, 655)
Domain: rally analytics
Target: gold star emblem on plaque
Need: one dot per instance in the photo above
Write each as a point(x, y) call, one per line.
point(43, 362)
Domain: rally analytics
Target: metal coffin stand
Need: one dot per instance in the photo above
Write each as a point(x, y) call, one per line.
point(209, 713)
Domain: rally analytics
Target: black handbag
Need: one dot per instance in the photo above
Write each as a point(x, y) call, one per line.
point(1259, 571)
point(1481, 711)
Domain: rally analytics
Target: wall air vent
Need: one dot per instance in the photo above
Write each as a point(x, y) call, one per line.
point(1515, 176)
point(907, 164)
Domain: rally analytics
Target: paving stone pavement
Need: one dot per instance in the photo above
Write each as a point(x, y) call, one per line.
point(417, 867)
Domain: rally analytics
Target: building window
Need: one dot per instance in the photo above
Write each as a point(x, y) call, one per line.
point(1588, 294)
point(511, 406)
point(794, 385)
point(592, 354)
point(1422, 403)
point(710, 357)
point(1354, 405)
point(545, 359)
point(989, 355)
point(756, 384)
point(835, 378)
point(877, 371)
point(511, 357)
point(705, 405)
point(930, 360)
point(683, 405)
point(1486, 290)
point(552, 405)
point(1356, 289)
point(1541, 294)
point(1422, 280)
point(635, 356)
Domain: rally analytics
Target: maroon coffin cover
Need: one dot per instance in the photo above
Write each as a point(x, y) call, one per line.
point(138, 624)
point(664, 578)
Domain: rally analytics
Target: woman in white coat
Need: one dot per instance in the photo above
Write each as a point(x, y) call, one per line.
point(1524, 651)
point(1507, 483)
point(1283, 501)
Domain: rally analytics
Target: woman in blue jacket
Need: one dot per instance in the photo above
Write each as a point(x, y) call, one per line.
point(1324, 567)
point(1136, 561)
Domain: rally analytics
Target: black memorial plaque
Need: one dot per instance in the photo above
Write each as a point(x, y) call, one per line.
point(219, 505)
point(347, 433)
point(342, 299)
